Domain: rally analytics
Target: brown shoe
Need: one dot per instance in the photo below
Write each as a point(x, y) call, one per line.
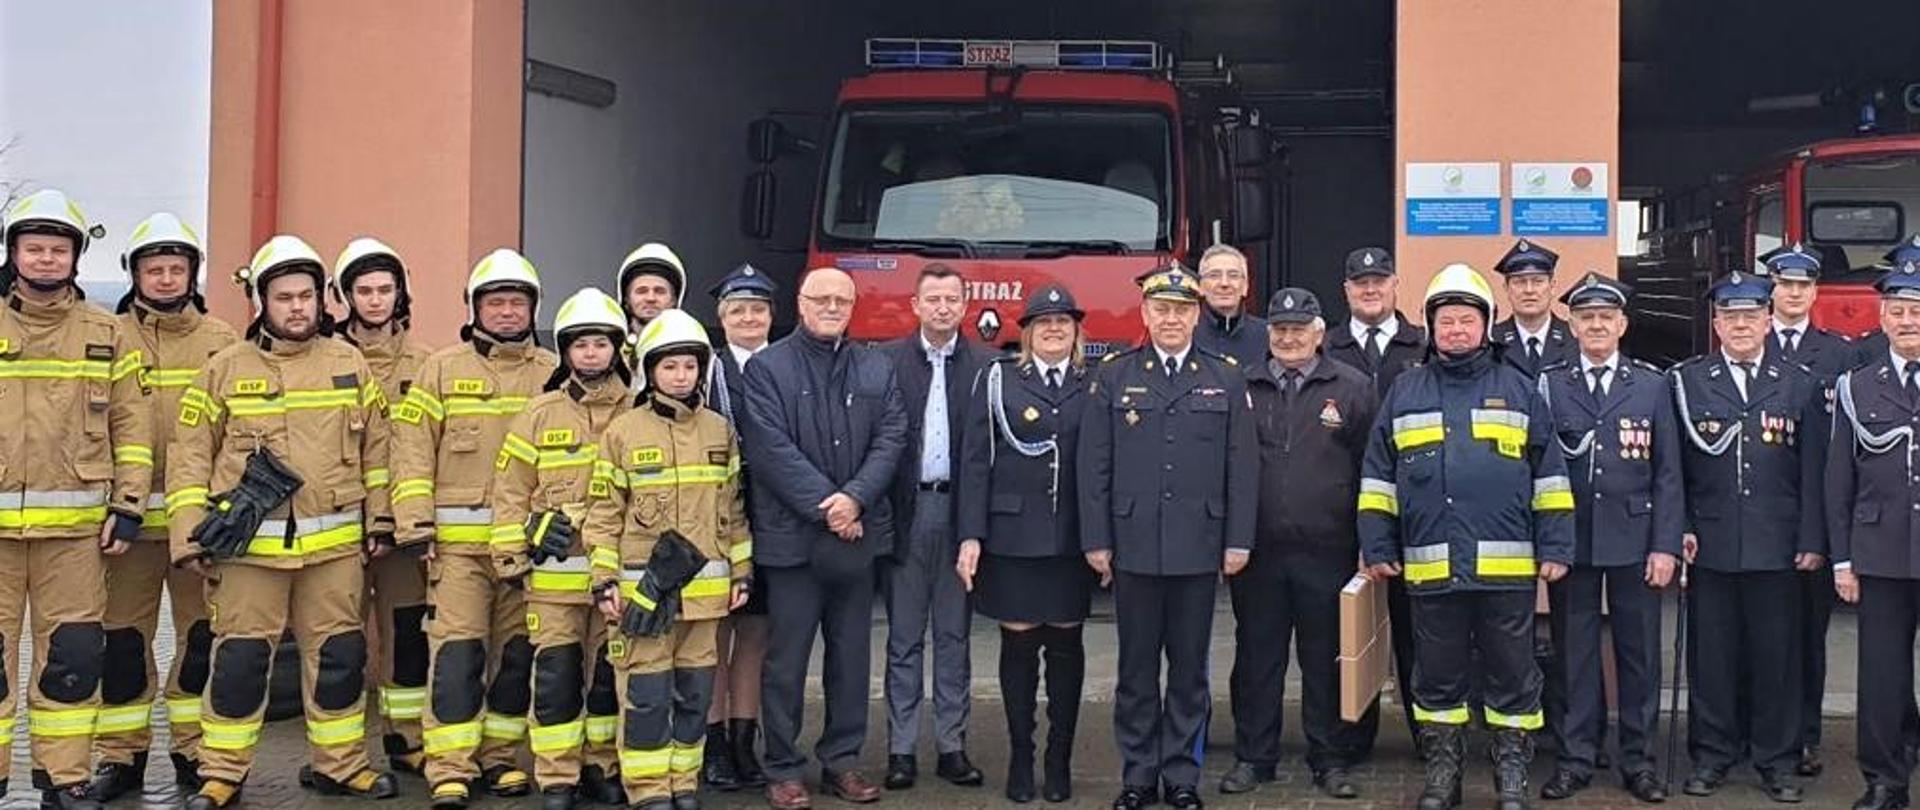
point(788, 794)
point(850, 786)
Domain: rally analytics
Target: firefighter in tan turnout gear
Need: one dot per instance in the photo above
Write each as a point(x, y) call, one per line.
point(277, 479)
point(539, 505)
point(75, 466)
point(370, 283)
point(447, 433)
point(670, 557)
point(166, 314)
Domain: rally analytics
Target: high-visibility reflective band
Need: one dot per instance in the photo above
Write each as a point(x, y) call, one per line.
point(571, 576)
point(130, 363)
point(171, 377)
point(310, 535)
point(411, 488)
point(686, 757)
point(459, 524)
point(1503, 559)
point(517, 448)
point(1418, 430)
point(136, 454)
point(1428, 563)
point(451, 738)
point(156, 515)
point(604, 472)
point(504, 727)
point(740, 552)
point(645, 764)
point(53, 499)
point(602, 729)
point(1552, 494)
point(683, 474)
point(1457, 716)
point(372, 396)
point(419, 400)
point(52, 509)
point(497, 406)
point(183, 711)
point(604, 557)
point(122, 719)
point(509, 536)
point(184, 497)
point(195, 398)
point(6, 730)
point(376, 478)
point(1499, 425)
point(1379, 496)
point(714, 579)
point(1531, 721)
point(402, 702)
point(562, 737)
point(294, 400)
point(566, 459)
point(229, 735)
point(60, 722)
point(340, 731)
point(55, 369)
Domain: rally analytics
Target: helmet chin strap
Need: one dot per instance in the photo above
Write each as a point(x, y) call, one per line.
point(42, 285)
point(169, 305)
point(594, 376)
point(516, 337)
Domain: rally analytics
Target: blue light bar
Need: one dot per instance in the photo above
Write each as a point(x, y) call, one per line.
point(1095, 54)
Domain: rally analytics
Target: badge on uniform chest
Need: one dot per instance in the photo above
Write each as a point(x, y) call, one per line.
point(1133, 418)
point(1031, 414)
point(1330, 415)
point(1776, 429)
point(1636, 438)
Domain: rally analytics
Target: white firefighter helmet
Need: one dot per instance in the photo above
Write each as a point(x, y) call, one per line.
point(673, 330)
point(655, 258)
point(163, 233)
point(503, 268)
point(590, 309)
point(1460, 284)
point(49, 211)
point(361, 255)
point(280, 255)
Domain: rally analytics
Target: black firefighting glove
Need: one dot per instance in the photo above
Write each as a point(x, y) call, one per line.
point(126, 528)
point(551, 534)
point(235, 516)
point(656, 598)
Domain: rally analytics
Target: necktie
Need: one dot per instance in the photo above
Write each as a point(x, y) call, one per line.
point(1373, 344)
point(1290, 381)
point(1599, 376)
point(1173, 367)
point(1533, 350)
point(1053, 378)
point(1913, 387)
point(1790, 339)
point(1746, 376)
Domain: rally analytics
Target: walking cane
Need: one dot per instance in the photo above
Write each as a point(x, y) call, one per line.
point(1679, 677)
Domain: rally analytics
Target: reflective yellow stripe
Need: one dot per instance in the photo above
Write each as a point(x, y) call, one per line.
point(504, 727)
point(183, 711)
point(644, 764)
point(1428, 563)
point(507, 535)
point(586, 456)
point(411, 488)
point(604, 557)
point(122, 719)
point(451, 738)
point(1552, 494)
point(137, 454)
point(130, 363)
point(376, 478)
point(686, 757)
point(602, 729)
point(33, 517)
point(562, 737)
point(465, 534)
point(341, 731)
point(425, 402)
point(1457, 716)
point(153, 519)
point(740, 552)
point(1418, 430)
point(171, 377)
point(229, 735)
point(497, 406)
point(196, 399)
point(60, 722)
point(402, 702)
point(293, 400)
point(606, 474)
point(6, 729)
point(1379, 496)
point(1494, 559)
point(560, 581)
point(683, 474)
point(184, 497)
point(371, 395)
point(455, 524)
point(55, 369)
point(707, 586)
point(1531, 721)
point(517, 448)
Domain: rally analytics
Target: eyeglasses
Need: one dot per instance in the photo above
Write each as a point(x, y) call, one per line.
point(1223, 275)
point(829, 301)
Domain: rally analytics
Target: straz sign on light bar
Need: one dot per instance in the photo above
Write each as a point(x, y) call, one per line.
point(988, 54)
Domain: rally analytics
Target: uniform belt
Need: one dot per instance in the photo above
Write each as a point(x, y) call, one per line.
point(936, 486)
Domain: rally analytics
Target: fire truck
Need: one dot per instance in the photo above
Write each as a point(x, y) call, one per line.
point(1022, 163)
point(1846, 198)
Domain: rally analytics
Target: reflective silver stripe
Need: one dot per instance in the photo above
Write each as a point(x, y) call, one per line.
point(1415, 421)
point(157, 501)
point(1490, 416)
point(713, 569)
point(1383, 487)
point(1551, 483)
point(53, 499)
point(1425, 554)
point(306, 526)
point(575, 564)
point(463, 516)
point(1503, 548)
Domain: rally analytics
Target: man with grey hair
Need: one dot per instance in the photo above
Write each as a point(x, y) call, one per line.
point(1225, 327)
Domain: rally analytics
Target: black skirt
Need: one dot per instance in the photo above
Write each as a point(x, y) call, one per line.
point(1054, 590)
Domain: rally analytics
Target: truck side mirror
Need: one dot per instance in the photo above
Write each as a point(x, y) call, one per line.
point(1252, 147)
point(763, 140)
point(757, 197)
point(1252, 209)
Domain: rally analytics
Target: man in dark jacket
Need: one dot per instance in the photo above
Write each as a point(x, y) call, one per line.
point(1376, 339)
point(824, 430)
point(1534, 337)
point(934, 368)
point(1225, 326)
point(1312, 415)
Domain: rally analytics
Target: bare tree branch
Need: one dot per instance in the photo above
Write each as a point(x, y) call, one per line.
point(11, 188)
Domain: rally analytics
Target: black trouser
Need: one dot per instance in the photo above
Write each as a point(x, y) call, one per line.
point(1889, 614)
point(1819, 600)
point(1577, 633)
point(1161, 735)
point(1449, 629)
point(837, 603)
point(1292, 596)
point(1744, 630)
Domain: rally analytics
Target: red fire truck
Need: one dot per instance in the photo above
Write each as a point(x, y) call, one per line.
point(1023, 163)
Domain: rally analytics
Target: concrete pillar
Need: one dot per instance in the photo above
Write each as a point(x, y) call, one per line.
point(396, 120)
point(1504, 80)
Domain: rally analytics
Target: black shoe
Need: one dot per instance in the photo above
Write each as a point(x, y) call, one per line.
point(716, 769)
point(954, 767)
point(654, 804)
point(1781, 789)
point(1601, 760)
point(1646, 787)
point(1134, 798)
point(600, 787)
point(402, 756)
point(902, 770)
point(742, 734)
point(1882, 797)
point(1704, 782)
point(115, 779)
point(1244, 777)
point(186, 772)
point(506, 781)
point(367, 784)
point(1564, 785)
point(1809, 764)
point(559, 797)
point(1184, 797)
point(71, 797)
point(686, 801)
point(1442, 750)
point(1336, 783)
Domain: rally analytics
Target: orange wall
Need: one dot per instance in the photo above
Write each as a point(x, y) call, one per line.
point(1504, 80)
point(397, 120)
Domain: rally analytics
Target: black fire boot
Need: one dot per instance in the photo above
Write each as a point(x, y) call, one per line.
point(115, 779)
point(717, 770)
point(1443, 747)
point(1512, 753)
point(1019, 684)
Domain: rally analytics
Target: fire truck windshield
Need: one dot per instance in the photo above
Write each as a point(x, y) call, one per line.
point(1863, 205)
point(1040, 180)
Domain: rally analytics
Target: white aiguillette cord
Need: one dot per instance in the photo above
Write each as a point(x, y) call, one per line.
point(1875, 443)
point(997, 413)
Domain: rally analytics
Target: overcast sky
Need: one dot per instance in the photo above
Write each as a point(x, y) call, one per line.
point(109, 101)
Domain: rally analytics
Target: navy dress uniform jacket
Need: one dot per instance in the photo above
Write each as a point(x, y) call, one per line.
point(1752, 468)
point(1872, 487)
point(1169, 466)
point(1559, 346)
point(1407, 348)
point(1021, 505)
point(1623, 456)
